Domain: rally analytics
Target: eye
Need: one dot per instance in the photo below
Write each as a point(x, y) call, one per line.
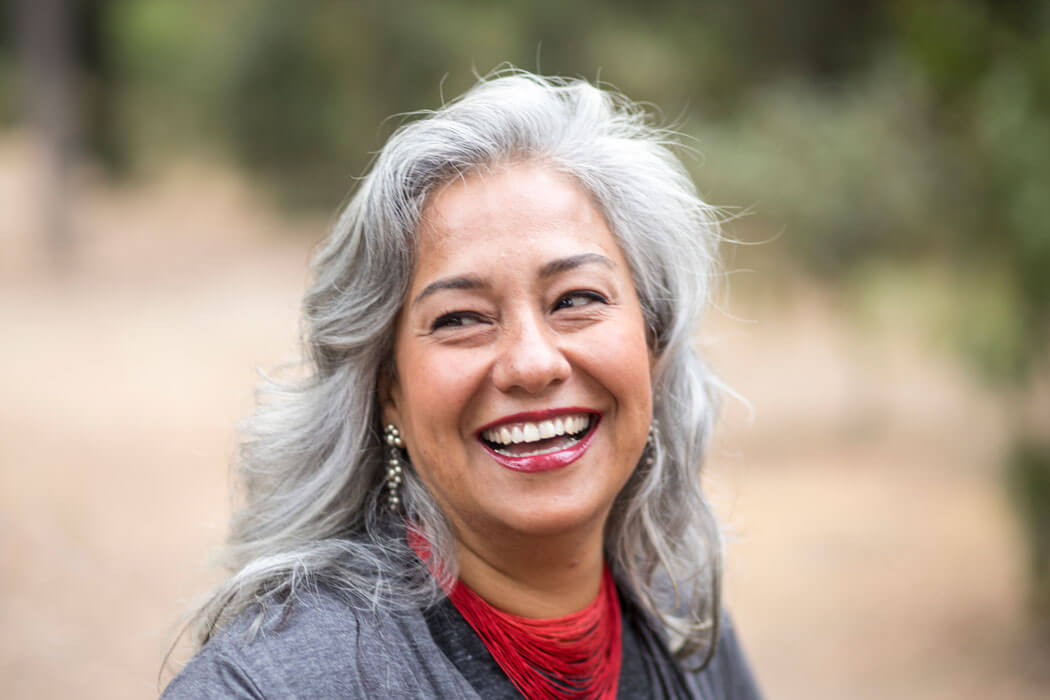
point(455, 319)
point(574, 300)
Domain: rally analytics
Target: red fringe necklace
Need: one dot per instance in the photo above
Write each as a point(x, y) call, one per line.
point(576, 656)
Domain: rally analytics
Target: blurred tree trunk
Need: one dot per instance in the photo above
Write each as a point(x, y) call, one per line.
point(45, 44)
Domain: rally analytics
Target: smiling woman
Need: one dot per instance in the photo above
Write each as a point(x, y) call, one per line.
point(469, 496)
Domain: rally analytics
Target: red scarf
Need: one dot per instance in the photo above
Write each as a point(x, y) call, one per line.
point(576, 656)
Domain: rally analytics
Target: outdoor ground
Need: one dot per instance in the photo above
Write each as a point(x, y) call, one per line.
point(871, 553)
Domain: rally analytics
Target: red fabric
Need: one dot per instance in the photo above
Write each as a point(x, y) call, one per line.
point(576, 656)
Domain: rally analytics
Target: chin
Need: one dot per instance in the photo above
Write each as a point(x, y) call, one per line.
point(554, 520)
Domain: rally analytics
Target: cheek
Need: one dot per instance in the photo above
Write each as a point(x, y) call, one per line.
point(435, 394)
point(618, 359)
point(630, 381)
point(630, 360)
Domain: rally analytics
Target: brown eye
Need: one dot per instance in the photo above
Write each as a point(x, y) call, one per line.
point(456, 319)
point(575, 300)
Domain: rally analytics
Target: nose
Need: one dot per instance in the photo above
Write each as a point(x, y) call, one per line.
point(529, 357)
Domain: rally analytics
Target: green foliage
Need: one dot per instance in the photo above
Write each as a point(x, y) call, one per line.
point(1028, 482)
point(1011, 134)
point(7, 71)
point(170, 70)
point(988, 67)
point(7, 89)
point(293, 91)
point(991, 331)
point(844, 175)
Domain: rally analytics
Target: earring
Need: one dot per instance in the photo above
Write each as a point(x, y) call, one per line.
point(650, 443)
point(392, 436)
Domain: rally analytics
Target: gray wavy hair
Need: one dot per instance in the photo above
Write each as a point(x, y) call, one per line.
point(312, 461)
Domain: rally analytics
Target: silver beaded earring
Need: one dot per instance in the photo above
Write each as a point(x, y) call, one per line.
point(395, 444)
point(650, 443)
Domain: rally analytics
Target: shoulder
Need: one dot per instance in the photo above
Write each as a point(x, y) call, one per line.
point(728, 675)
point(319, 645)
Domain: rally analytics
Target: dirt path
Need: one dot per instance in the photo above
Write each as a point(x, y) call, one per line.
point(871, 554)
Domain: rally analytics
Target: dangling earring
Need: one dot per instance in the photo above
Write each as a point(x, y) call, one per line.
point(392, 436)
point(650, 443)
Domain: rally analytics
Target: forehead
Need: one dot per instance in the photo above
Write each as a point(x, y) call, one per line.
point(518, 209)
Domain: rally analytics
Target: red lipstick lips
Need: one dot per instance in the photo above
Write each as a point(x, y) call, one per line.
point(549, 460)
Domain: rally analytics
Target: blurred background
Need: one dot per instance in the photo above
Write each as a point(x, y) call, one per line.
point(166, 166)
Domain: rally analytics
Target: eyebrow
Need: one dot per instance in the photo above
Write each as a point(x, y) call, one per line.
point(554, 267)
point(463, 282)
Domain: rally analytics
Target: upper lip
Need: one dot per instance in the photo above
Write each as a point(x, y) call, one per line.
point(535, 416)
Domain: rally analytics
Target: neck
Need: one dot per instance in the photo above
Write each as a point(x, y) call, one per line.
point(535, 577)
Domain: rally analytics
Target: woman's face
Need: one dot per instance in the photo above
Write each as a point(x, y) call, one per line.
point(522, 385)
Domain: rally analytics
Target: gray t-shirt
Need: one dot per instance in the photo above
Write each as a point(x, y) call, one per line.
point(323, 647)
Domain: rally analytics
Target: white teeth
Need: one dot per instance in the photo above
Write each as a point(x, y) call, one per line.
point(533, 432)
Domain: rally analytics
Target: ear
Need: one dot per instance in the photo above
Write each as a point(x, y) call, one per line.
point(388, 390)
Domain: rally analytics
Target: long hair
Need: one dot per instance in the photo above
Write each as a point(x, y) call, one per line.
point(311, 463)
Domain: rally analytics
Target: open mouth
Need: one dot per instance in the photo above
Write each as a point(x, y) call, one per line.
point(531, 438)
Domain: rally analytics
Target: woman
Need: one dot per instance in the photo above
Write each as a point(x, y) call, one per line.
point(487, 485)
